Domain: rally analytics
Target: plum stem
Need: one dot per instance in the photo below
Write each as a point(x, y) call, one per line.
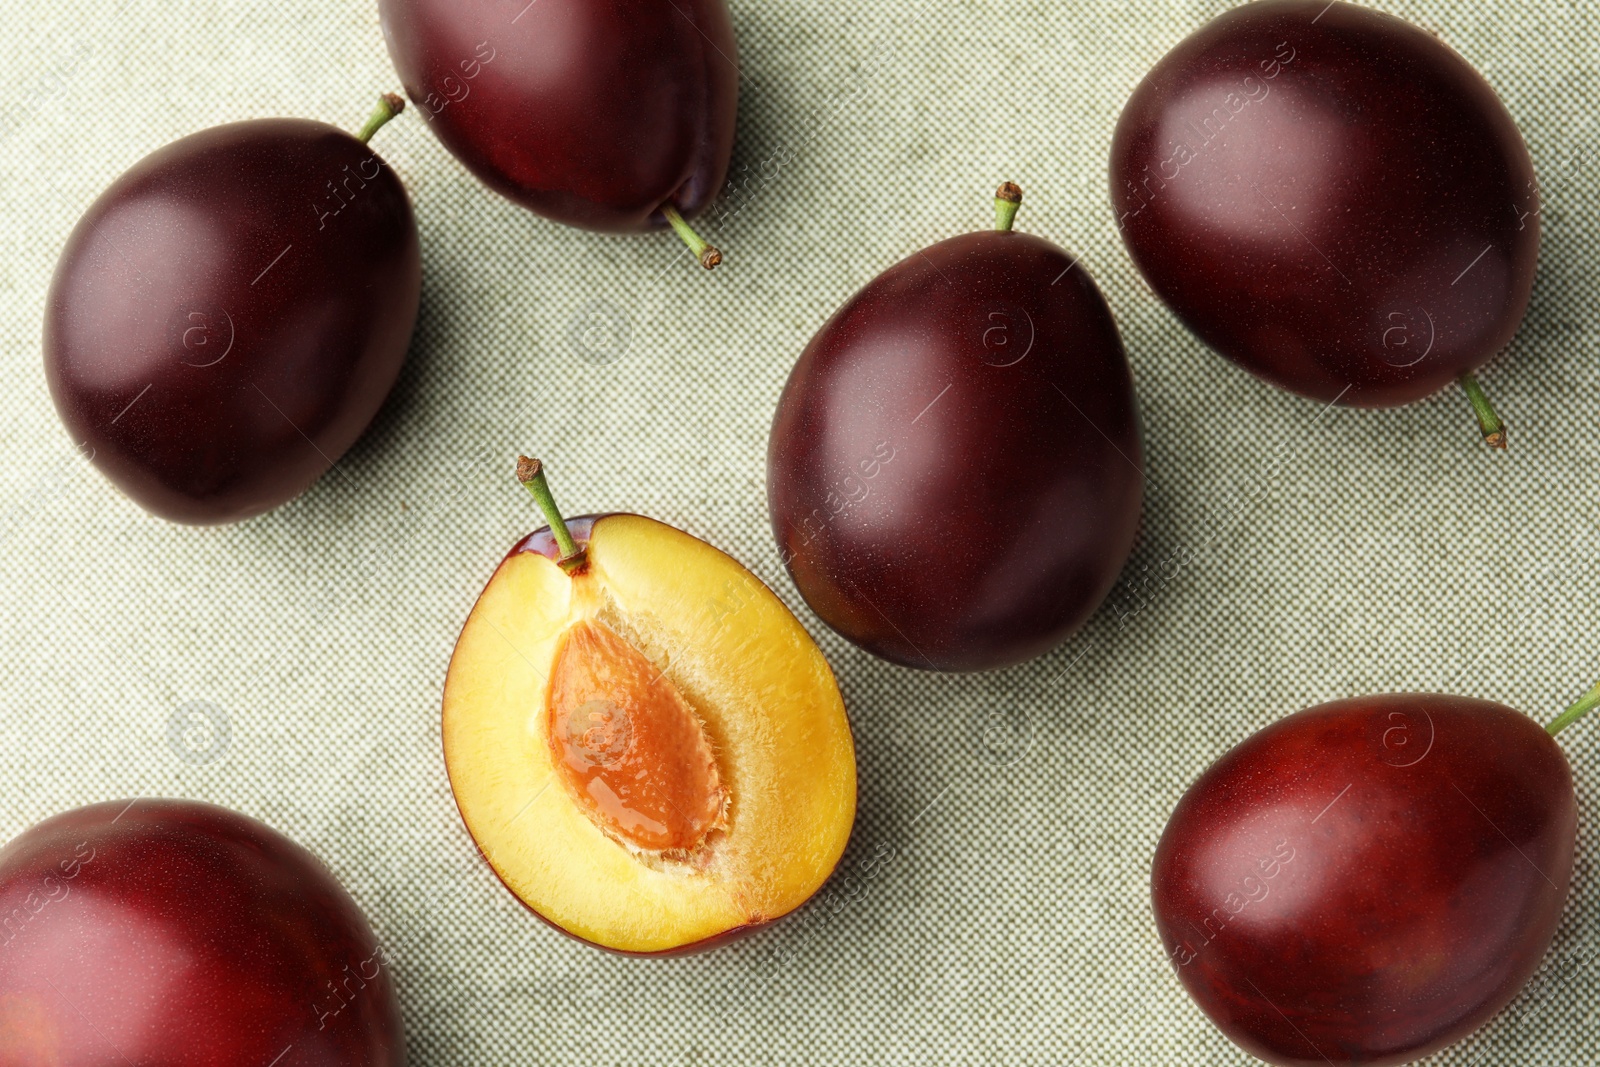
point(708, 256)
point(1007, 199)
point(389, 105)
point(530, 472)
point(1489, 422)
point(1586, 703)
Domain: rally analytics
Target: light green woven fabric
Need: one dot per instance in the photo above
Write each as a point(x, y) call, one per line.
point(993, 907)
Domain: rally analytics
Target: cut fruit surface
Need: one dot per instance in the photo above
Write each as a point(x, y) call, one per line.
point(650, 751)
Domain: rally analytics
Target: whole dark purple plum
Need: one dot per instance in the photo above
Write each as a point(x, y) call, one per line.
point(954, 472)
point(1368, 881)
point(229, 315)
point(1333, 199)
point(176, 933)
point(611, 115)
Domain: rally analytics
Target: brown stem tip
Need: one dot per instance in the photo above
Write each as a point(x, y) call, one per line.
point(699, 247)
point(1010, 192)
point(528, 469)
point(1490, 424)
point(396, 102)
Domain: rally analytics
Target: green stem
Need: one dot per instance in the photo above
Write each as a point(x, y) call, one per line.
point(1007, 199)
point(530, 472)
point(1586, 703)
point(389, 105)
point(1489, 422)
point(707, 255)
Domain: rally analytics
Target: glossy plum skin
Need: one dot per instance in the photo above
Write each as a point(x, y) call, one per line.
point(1368, 881)
point(590, 112)
point(1331, 198)
point(228, 317)
point(954, 471)
point(542, 541)
point(182, 934)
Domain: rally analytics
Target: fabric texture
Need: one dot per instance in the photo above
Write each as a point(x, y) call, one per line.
point(993, 906)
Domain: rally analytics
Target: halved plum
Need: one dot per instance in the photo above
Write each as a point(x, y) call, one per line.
point(645, 743)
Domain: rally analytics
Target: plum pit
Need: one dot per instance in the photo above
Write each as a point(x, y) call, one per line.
point(629, 748)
